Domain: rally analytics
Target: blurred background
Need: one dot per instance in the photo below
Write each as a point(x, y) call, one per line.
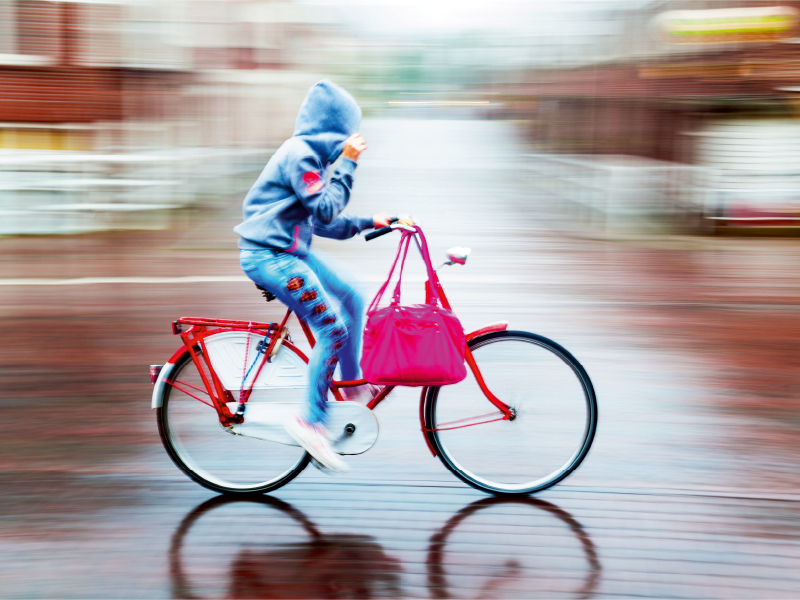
point(640, 115)
point(627, 173)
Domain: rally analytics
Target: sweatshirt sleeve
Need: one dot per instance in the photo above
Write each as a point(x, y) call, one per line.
point(343, 227)
point(324, 202)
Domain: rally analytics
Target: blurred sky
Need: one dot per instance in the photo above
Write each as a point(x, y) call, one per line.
point(426, 17)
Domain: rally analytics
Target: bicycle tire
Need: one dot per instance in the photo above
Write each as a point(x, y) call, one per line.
point(184, 462)
point(573, 378)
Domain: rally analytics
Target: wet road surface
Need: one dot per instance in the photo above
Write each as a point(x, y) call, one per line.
point(691, 488)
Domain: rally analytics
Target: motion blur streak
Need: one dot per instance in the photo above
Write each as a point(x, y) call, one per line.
point(626, 174)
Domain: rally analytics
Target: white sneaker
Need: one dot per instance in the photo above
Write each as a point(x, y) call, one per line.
point(314, 441)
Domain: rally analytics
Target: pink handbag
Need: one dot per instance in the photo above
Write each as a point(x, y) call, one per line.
point(420, 344)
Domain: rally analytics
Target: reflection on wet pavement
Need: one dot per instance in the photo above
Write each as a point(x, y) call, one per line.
point(267, 548)
point(336, 539)
point(335, 565)
point(512, 577)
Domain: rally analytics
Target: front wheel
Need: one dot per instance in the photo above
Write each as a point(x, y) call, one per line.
point(555, 416)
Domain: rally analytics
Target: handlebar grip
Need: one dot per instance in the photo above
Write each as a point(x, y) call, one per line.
point(378, 233)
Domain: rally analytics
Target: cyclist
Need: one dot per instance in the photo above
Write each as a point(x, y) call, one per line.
point(300, 193)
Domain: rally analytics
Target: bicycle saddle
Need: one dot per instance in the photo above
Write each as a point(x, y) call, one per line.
point(268, 296)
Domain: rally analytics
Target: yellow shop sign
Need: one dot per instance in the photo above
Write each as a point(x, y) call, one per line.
point(727, 25)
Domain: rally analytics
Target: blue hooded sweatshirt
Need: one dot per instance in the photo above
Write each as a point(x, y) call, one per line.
point(292, 200)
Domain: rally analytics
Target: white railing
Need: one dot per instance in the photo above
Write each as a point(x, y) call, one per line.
point(617, 193)
point(71, 192)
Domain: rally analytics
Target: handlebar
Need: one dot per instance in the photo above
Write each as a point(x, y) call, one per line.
point(378, 233)
point(382, 231)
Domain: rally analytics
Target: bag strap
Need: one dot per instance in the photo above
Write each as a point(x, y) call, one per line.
point(405, 239)
point(426, 258)
point(396, 295)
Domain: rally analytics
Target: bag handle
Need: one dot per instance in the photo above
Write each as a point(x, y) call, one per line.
point(426, 257)
point(396, 294)
point(423, 248)
point(405, 239)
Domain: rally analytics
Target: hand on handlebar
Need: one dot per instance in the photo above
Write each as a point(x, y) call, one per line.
point(381, 220)
point(405, 222)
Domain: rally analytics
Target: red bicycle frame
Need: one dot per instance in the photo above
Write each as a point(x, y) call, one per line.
point(201, 328)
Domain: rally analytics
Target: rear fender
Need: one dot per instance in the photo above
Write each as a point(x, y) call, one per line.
point(166, 371)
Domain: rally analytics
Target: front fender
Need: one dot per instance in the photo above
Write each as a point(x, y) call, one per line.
point(499, 326)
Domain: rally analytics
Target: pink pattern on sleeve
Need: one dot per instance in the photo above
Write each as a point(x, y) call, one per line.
point(313, 182)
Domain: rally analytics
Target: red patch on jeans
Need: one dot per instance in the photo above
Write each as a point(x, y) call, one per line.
point(312, 181)
point(306, 296)
point(295, 283)
point(329, 320)
point(319, 309)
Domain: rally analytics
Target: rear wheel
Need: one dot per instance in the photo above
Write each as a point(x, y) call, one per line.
point(555, 416)
point(207, 453)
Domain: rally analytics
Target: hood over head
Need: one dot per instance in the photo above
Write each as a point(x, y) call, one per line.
point(328, 116)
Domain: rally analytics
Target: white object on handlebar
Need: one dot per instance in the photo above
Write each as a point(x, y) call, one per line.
point(458, 255)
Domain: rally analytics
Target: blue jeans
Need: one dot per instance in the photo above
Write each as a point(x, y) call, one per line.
point(331, 306)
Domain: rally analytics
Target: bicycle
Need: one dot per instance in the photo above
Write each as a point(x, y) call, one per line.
point(522, 421)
